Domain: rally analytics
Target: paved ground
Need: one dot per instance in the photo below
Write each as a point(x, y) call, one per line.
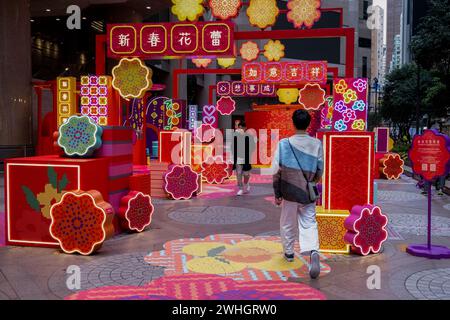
point(38, 273)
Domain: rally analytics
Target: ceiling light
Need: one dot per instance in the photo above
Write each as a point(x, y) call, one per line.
point(148, 7)
point(31, 20)
point(48, 10)
point(57, 19)
point(84, 18)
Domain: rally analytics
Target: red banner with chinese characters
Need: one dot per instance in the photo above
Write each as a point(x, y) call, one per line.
point(169, 40)
point(284, 72)
point(240, 89)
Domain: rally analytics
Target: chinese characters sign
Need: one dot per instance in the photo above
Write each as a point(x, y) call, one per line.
point(430, 154)
point(240, 89)
point(155, 41)
point(66, 98)
point(284, 72)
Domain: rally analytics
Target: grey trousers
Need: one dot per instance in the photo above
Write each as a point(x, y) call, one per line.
point(299, 219)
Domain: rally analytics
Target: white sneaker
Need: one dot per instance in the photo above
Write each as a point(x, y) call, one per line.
point(240, 192)
point(247, 188)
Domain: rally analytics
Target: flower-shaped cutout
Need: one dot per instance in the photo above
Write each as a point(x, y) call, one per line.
point(287, 96)
point(366, 229)
point(359, 125)
point(226, 62)
point(341, 86)
point(215, 170)
point(48, 198)
point(131, 77)
point(392, 166)
point(349, 115)
point(205, 133)
point(350, 95)
point(303, 12)
point(312, 96)
point(340, 125)
point(187, 9)
point(360, 85)
point(274, 50)
point(181, 182)
point(340, 106)
point(236, 256)
point(226, 105)
point(201, 63)
point(249, 51)
point(136, 210)
point(81, 221)
point(79, 136)
point(262, 13)
point(225, 9)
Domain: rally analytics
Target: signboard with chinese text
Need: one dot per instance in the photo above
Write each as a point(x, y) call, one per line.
point(169, 40)
point(284, 72)
point(240, 89)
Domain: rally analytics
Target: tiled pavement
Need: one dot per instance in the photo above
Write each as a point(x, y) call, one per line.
point(39, 273)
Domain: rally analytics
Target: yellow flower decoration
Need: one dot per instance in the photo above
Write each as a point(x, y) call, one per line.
point(226, 62)
point(188, 9)
point(47, 198)
point(359, 125)
point(303, 12)
point(341, 86)
point(132, 78)
point(262, 13)
point(350, 95)
point(225, 9)
point(274, 50)
point(257, 254)
point(287, 96)
point(249, 51)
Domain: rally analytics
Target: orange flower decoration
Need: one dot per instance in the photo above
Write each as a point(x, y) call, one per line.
point(225, 9)
point(262, 13)
point(249, 51)
point(81, 221)
point(312, 96)
point(201, 63)
point(303, 12)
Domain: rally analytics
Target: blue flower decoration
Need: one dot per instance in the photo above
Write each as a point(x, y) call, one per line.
point(340, 125)
point(359, 105)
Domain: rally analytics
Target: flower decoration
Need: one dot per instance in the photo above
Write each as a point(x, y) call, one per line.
point(350, 95)
point(287, 96)
point(225, 9)
point(181, 182)
point(340, 106)
point(80, 136)
point(201, 63)
point(131, 77)
point(262, 13)
point(205, 133)
point(81, 221)
point(274, 50)
point(236, 256)
point(341, 86)
point(366, 229)
point(348, 115)
point(226, 105)
point(203, 287)
point(215, 170)
point(303, 12)
point(188, 9)
point(360, 85)
point(173, 114)
point(359, 125)
point(392, 166)
point(340, 125)
point(47, 198)
point(359, 105)
point(136, 210)
point(312, 96)
point(226, 62)
point(249, 51)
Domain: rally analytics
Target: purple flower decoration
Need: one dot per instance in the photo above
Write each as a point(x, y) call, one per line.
point(340, 106)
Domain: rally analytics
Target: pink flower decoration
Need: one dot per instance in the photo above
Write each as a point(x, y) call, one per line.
point(226, 105)
point(181, 182)
point(205, 133)
point(136, 211)
point(215, 170)
point(360, 85)
point(349, 115)
point(366, 227)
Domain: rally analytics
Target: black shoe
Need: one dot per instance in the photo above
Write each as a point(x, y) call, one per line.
point(314, 270)
point(289, 257)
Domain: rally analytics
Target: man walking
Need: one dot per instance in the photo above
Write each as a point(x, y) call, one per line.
point(297, 166)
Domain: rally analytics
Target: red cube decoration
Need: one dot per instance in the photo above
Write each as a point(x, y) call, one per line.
point(34, 184)
point(348, 169)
